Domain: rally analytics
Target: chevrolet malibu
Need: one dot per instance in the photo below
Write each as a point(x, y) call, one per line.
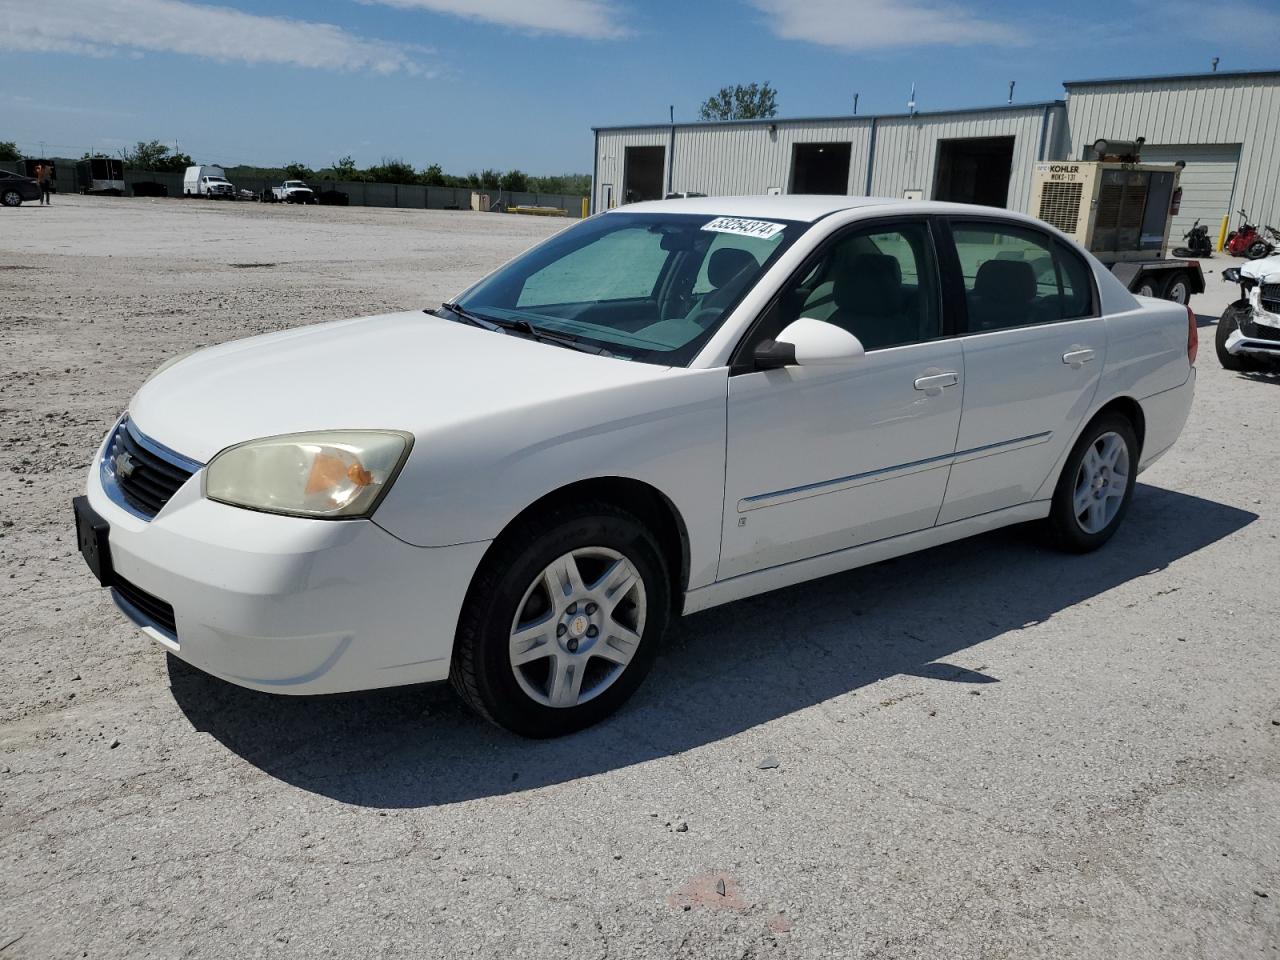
point(666, 407)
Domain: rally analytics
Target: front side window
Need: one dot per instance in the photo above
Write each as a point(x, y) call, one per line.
point(878, 283)
point(1014, 277)
point(649, 287)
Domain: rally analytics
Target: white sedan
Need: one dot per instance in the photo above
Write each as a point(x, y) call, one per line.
point(663, 408)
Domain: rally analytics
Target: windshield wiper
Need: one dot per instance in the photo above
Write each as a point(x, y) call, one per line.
point(551, 336)
point(466, 316)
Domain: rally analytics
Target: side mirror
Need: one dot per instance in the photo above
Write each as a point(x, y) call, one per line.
point(809, 343)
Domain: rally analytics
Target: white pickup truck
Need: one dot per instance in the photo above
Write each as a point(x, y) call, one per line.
point(294, 191)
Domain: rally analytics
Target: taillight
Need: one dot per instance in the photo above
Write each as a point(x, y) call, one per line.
point(1177, 202)
point(1193, 337)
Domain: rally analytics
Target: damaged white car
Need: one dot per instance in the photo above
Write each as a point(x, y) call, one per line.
point(1248, 335)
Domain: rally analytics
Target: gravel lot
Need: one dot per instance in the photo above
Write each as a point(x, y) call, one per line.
point(988, 750)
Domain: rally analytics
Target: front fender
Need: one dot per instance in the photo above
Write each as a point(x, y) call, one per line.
point(465, 482)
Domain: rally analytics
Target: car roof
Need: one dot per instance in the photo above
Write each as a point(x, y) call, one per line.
point(809, 208)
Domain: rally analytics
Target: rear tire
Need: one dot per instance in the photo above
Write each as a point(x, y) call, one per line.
point(1148, 287)
point(544, 662)
point(1096, 485)
point(1257, 250)
point(1229, 321)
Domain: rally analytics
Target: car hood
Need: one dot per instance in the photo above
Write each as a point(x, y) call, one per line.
point(1266, 270)
point(403, 371)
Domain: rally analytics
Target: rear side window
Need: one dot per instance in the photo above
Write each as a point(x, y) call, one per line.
point(1015, 277)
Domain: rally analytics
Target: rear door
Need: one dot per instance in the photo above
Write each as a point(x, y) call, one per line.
point(1034, 347)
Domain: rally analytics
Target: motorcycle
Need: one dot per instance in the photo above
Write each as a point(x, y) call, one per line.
point(1248, 241)
point(1198, 243)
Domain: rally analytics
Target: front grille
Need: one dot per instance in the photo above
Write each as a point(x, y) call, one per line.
point(151, 607)
point(144, 476)
point(1260, 331)
point(1270, 295)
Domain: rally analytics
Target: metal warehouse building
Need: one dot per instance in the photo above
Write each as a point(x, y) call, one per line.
point(1224, 126)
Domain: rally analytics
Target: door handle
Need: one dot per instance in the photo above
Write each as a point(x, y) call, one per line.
point(933, 383)
point(1077, 358)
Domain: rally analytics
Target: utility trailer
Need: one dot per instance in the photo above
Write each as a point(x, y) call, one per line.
point(1120, 210)
point(100, 175)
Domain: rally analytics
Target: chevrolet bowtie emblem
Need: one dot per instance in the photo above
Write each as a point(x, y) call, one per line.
point(124, 464)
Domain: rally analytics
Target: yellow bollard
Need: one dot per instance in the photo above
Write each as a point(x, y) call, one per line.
point(1222, 234)
point(585, 202)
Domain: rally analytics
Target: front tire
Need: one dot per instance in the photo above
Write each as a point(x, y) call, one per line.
point(562, 621)
point(11, 198)
point(1096, 485)
point(1227, 323)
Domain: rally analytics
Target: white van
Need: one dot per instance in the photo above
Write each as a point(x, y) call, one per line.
point(206, 180)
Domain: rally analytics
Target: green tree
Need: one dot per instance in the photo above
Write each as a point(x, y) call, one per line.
point(515, 181)
point(176, 162)
point(9, 150)
point(433, 176)
point(392, 170)
point(345, 169)
point(741, 102)
point(298, 171)
point(490, 180)
point(145, 155)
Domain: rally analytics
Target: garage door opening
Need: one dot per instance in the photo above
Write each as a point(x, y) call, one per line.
point(642, 174)
point(820, 168)
point(974, 171)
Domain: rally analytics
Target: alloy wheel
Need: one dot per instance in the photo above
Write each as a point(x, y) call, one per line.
point(1101, 482)
point(577, 627)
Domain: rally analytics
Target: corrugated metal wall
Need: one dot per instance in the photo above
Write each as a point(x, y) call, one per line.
point(907, 149)
point(611, 153)
point(729, 160)
point(749, 158)
point(1194, 110)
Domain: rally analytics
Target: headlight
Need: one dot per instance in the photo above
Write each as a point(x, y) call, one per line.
point(335, 474)
point(1231, 274)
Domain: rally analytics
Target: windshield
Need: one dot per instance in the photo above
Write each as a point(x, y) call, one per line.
point(296, 183)
point(217, 179)
point(645, 286)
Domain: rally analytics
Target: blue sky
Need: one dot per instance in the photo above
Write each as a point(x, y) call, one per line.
point(519, 83)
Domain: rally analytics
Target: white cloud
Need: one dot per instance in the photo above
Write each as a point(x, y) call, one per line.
point(876, 24)
point(132, 27)
point(593, 19)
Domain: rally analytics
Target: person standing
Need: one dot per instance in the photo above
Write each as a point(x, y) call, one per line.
point(43, 177)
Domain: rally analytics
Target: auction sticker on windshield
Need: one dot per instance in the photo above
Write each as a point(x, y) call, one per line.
point(763, 229)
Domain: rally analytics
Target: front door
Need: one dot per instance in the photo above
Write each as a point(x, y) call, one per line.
point(821, 459)
point(1034, 347)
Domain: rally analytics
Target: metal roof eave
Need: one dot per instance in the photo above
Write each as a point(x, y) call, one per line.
point(850, 118)
point(1167, 77)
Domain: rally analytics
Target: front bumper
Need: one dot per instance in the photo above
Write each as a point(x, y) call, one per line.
point(287, 604)
point(1255, 339)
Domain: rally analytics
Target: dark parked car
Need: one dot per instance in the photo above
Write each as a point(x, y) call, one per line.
point(14, 188)
point(149, 188)
point(332, 198)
